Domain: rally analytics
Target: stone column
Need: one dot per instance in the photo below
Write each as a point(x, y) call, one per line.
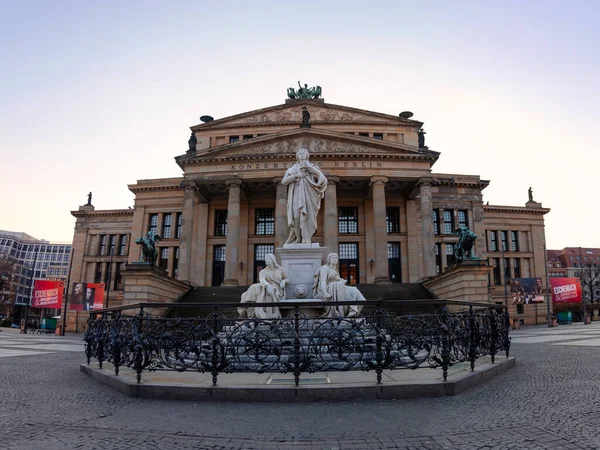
point(281, 226)
point(233, 233)
point(185, 245)
point(330, 218)
point(379, 220)
point(427, 227)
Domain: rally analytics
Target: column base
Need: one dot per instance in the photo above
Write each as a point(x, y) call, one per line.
point(382, 280)
point(230, 282)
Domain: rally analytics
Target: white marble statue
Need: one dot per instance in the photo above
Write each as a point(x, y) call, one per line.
point(306, 187)
point(270, 288)
point(329, 287)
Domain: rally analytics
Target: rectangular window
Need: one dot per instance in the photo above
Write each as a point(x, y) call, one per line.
point(175, 263)
point(514, 239)
point(106, 273)
point(264, 221)
point(101, 247)
point(496, 271)
point(233, 139)
point(179, 222)
point(504, 240)
point(348, 263)
point(218, 276)
point(260, 251)
point(153, 223)
point(392, 218)
point(493, 241)
point(248, 136)
point(378, 136)
point(506, 270)
point(117, 285)
point(517, 268)
point(448, 221)
point(166, 229)
point(520, 308)
point(450, 258)
point(463, 218)
point(123, 245)
point(438, 258)
point(363, 134)
point(98, 273)
point(113, 244)
point(436, 222)
point(164, 258)
point(394, 268)
point(348, 220)
point(220, 222)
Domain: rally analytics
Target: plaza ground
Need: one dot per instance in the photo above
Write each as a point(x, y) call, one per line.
point(550, 400)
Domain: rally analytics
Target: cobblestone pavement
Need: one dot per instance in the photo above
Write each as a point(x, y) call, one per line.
point(551, 400)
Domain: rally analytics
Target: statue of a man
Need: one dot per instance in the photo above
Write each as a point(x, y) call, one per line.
point(306, 187)
point(192, 142)
point(422, 138)
point(305, 118)
point(89, 203)
point(530, 192)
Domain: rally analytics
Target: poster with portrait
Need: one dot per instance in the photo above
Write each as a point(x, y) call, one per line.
point(526, 290)
point(47, 294)
point(565, 290)
point(87, 296)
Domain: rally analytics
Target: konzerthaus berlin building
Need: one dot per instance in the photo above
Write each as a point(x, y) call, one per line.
point(387, 214)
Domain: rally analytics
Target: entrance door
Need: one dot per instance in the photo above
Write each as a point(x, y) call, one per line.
point(394, 262)
point(348, 263)
point(218, 272)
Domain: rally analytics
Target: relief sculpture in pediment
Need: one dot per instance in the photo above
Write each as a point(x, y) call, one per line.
point(318, 114)
point(289, 147)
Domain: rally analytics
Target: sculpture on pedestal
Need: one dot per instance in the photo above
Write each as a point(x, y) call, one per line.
point(89, 202)
point(329, 287)
point(465, 243)
point(269, 289)
point(149, 250)
point(304, 92)
point(306, 187)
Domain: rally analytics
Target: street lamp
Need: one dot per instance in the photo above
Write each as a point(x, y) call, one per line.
point(581, 278)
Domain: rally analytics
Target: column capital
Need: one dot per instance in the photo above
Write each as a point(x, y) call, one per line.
point(277, 180)
point(233, 182)
point(378, 180)
point(188, 185)
point(333, 179)
point(425, 181)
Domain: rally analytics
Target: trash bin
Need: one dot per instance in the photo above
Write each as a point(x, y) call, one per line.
point(554, 321)
point(515, 324)
point(48, 323)
point(565, 317)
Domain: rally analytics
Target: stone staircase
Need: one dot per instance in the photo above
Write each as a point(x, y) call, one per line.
point(412, 292)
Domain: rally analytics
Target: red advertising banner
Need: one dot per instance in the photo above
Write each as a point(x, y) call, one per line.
point(47, 294)
point(87, 296)
point(565, 290)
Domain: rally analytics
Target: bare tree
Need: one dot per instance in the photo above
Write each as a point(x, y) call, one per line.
point(589, 276)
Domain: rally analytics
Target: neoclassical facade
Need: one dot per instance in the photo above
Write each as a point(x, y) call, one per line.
point(386, 212)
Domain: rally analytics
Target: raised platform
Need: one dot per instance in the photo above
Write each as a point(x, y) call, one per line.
point(319, 386)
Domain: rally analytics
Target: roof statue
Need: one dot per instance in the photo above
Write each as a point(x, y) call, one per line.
point(89, 203)
point(421, 135)
point(192, 142)
point(304, 92)
point(530, 192)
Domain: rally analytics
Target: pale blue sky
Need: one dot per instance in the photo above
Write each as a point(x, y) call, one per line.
point(96, 95)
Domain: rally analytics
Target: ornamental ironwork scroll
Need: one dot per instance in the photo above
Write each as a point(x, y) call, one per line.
point(295, 344)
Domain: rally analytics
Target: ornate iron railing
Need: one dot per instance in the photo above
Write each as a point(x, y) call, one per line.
point(295, 344)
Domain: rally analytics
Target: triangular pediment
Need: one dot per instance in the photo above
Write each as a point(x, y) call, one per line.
point(317, 141)
point(320, 113)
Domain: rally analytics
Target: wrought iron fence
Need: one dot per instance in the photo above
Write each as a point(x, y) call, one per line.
point(295, 344)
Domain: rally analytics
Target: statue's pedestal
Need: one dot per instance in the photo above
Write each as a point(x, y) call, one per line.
point(300, 262)
point(145, 283)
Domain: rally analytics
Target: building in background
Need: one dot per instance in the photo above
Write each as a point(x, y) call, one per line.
point(51, 263)
point(578, 262)
point(385, 212)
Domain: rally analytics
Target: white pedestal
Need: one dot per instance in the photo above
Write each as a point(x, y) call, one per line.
point(300, 262)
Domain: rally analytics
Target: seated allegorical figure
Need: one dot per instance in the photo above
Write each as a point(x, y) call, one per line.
point(329, 287)
point(270, 288)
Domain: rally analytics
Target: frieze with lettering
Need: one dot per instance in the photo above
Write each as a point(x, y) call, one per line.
point(321, 164)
